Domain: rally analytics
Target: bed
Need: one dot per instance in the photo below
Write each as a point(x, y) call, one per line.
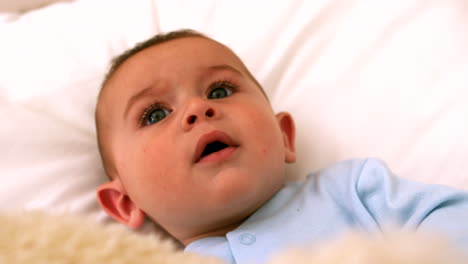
point(362, 78)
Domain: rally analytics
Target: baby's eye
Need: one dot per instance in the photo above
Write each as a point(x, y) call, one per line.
point(220, 90)
point(153, 115)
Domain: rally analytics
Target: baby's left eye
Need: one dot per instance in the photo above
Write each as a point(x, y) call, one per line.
point(221, 90)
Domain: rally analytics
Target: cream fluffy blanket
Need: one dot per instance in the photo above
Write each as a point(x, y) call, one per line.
point(33, 237)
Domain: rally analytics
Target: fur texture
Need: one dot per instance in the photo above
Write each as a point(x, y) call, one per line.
point(34, 237)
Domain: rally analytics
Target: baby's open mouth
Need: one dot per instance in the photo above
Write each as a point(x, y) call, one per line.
point(212, 145)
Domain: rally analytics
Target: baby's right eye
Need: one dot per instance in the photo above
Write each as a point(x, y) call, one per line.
point(154, 114)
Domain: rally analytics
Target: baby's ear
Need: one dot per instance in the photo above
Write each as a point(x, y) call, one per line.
point(286, 124)
point(114, 200)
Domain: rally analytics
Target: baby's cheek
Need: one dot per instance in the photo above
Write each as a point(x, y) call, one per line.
point(155, 150)
point(265, 130)
point(144, 158)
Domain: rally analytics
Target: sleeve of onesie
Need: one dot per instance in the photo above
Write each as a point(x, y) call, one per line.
point(412, 205)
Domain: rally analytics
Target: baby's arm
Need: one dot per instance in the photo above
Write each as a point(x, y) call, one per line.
point(430, 208)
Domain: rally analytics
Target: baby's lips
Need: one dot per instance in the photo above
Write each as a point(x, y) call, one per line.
point(212, 136)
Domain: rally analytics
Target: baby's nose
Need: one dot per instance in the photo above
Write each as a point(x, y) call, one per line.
point(191, 119)
point(197, 111)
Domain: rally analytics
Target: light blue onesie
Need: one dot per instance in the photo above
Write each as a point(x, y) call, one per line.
point(358, 195)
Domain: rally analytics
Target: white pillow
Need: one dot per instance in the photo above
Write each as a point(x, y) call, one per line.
point(362, 78)
point(53, 61)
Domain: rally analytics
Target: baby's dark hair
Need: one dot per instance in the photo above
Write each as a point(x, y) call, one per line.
point(115, 64)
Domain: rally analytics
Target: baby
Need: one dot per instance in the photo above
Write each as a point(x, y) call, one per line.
point(189, 139)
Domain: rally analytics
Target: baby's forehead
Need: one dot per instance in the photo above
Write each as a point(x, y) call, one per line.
point(210, 54)
point(192, 52)
point(195, 48)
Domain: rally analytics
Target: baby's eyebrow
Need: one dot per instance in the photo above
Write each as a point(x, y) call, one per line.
point(141, 94)
point(224, 67)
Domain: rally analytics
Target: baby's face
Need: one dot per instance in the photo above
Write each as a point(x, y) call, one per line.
point(193, 138)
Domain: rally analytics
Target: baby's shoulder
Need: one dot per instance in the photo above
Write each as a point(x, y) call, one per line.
point(350, 175)
point(354, 168)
